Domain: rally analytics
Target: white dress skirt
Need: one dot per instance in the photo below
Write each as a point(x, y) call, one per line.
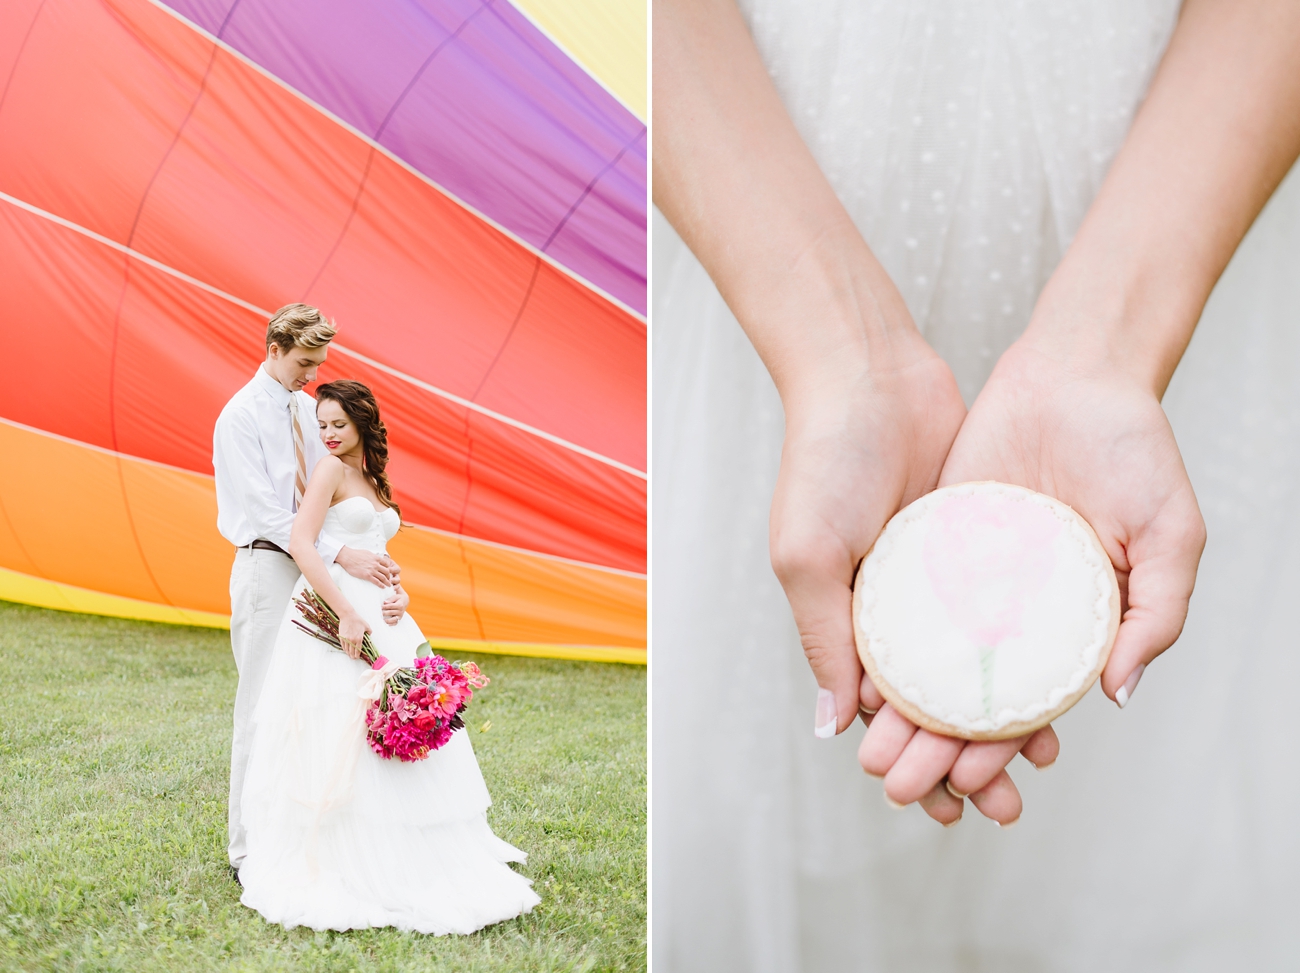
point(338, 837)
point(967, 140)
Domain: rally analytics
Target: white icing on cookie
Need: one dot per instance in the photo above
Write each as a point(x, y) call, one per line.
point(985, 610)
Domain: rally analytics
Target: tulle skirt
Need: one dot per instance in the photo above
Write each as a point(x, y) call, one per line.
point(339, 838)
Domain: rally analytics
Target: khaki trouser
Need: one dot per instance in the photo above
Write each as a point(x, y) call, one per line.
point(260, 585)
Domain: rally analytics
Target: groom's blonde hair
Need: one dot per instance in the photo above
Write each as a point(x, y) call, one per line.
point(299, 324)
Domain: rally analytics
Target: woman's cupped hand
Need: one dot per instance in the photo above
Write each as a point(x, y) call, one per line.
point(862, 441)
point(1068, 419)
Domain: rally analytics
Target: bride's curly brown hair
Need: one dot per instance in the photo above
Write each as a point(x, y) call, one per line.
point(358, 403)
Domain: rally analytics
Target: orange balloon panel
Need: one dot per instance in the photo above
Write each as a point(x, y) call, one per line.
point(464, 589)
point(141, 530)
point(90, 518)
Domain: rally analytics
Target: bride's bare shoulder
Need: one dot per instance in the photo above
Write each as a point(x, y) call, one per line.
point(330, 467)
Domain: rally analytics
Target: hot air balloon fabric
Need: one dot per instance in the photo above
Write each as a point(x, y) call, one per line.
point(453, 182)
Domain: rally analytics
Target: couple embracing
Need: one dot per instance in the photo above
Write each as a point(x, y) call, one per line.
point(314, 820)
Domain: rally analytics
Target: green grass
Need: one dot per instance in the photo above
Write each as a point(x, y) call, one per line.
point(114, 755)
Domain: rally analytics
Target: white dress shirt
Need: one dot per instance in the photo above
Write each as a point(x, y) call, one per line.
point(252, 455)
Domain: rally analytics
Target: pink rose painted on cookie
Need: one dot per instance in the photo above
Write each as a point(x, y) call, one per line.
point(986, 557)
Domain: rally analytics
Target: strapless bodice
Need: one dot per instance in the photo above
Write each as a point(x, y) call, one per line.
point(355, 522)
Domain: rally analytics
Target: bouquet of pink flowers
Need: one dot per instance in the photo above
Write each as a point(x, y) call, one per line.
point(418, 708)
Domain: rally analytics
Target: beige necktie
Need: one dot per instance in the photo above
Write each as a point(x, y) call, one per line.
point(299, 454)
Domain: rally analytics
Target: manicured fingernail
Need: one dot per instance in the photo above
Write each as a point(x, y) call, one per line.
point(1008, 824)
point(953, 823)
point(893, 803)
point(1044, 766)
point(828, 717)
point(1131, 683)
point(953, 791)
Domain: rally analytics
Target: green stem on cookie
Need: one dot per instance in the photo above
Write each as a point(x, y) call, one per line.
point(987, 655)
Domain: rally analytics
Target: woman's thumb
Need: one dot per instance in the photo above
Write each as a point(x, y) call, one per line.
point(1159, 589)
point(823, 609)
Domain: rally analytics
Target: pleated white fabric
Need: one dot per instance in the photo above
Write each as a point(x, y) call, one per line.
point(967, 140)
point(339, 838)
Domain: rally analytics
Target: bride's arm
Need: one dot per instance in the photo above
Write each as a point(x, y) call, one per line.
point(1218, 130)
point(1073, 407)
point(307, 523)
point(870, 409)
point(734, 177)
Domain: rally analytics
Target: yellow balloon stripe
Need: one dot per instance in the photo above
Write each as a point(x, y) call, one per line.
point(28, 590)
point(543, 650)
point(606, 37)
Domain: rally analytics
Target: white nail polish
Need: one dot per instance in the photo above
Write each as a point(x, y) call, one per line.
point(828, 717)
point(1126, 691)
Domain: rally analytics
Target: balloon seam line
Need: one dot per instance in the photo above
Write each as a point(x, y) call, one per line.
point(411, 379)
point(424, 66)
point(423, 177)
point(589, 72)
point(523, 306)
point(115, 453)
point(469, 538)
point(492, 414)
point(370, 155)
point(117, 317)
point(22, 548)
point(208, 477)
point(205, 618)
point(19, 56)
point(591, 185)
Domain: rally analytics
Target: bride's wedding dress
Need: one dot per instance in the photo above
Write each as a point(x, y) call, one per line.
point(339, 838)
point(966, 140)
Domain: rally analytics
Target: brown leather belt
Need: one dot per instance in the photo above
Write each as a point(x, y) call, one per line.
point(261, 545)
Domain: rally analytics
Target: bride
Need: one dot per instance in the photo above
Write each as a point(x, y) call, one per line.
point(339, 838)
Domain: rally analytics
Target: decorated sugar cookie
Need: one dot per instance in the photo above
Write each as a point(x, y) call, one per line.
point(985, 610)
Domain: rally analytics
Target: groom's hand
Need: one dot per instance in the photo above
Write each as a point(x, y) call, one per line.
point(378, 569)
point(395, 607)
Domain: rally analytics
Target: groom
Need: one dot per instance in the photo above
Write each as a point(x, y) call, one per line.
point(264, 448)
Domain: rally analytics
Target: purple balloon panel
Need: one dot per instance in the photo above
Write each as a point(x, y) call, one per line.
point(474, 96)
point(601, 212)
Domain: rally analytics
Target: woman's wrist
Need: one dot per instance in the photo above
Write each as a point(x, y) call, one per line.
point(830, 320)
point(1194, 170)
point(1115, 310)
